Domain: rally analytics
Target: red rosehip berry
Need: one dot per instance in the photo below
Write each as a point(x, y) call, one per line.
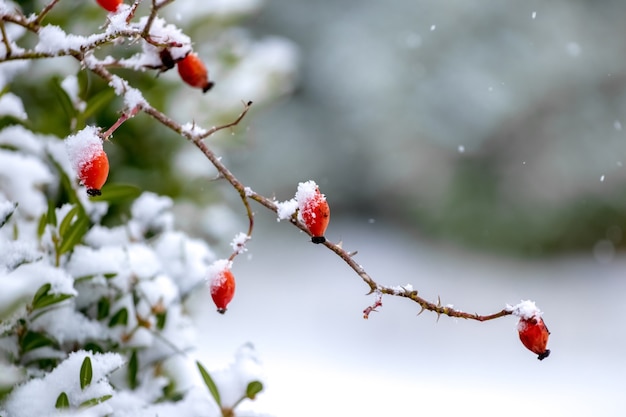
point(222, 285)
point(313, 210)
point(534, 335)
point(193, 71)
point(88, 159)
point(110, 5)
point(94, 173)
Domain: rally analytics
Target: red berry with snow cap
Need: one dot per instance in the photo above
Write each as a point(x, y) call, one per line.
point(534, 335)
point(193, 71)
point(222, 285)
point(110, 5)
point(313, 210)
point(532, 330)
point(88, 159)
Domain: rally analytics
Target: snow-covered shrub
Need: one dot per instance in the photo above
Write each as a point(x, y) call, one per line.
point(93, 317)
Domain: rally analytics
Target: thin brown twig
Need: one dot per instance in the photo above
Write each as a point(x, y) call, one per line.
point(247, 194)
point(44, 12)
point(5, 39)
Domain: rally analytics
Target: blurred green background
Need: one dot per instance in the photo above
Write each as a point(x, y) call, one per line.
point(493, 125)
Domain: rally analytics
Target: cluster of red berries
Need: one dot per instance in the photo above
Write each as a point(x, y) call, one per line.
point(191, 68)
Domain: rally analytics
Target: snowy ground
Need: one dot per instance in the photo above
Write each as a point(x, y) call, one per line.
point(302, 309)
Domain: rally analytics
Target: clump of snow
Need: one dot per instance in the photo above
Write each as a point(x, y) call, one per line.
point(53, 40)
point(24, 188)
point(232, 381)
point(214, 273)
point(286, 209)
point(11, 105)
point(38, 397)
point(306, 191)
point(239, 242)
point(192, 129)
point(526, 309)
point(83, 146)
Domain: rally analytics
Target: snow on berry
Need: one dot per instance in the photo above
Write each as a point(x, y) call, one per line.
point(532, 330)
point(222, 284)
point(313, 210)
point(525, 309)
point(88, 159)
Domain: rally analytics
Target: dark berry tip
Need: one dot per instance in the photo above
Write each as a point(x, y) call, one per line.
point(221, 310)
point(318, 239)
point(209, 85)
point(544, 355)
point(93, 192)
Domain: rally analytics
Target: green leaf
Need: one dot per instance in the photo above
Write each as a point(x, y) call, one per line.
point(121, 317)
point(86, 373)
point(93, 348)
point(43, 299)
point(161, 320)
point(253, 389)
point(208, 381)
point(52, 214)
point(62, 401)
point(133, 368)
point(117, 193)
point(8, 215)
point(41, 227)
point(67, 220)
point(104, 305)
point(97, 102)
point(64, 99)
point(41, 292)
point(83, 84)
point(74, 234)
point(34, 340)
point(95, 401)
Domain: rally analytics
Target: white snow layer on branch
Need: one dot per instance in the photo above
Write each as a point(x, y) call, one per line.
point(526, 309)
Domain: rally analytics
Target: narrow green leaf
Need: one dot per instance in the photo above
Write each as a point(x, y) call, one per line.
point(118, 193)
point(64, 99)
point(133, 368)
point(121, 317)
point(83, 84)
point(95, 401)
point(86, 373)
point(97, 102)
point(253, 389)
point(104, 305)
point(74, 234)
point(161, 320)
point(43, 299)
point(50, 299)
point(52, 214)
point(34, 340)
point(41, 227)
point(67, 220)
point(208, 381)
point(93, 348)
point(62, 401)
point(41, 292)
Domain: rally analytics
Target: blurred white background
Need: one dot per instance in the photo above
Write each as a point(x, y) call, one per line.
point(466, 130)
